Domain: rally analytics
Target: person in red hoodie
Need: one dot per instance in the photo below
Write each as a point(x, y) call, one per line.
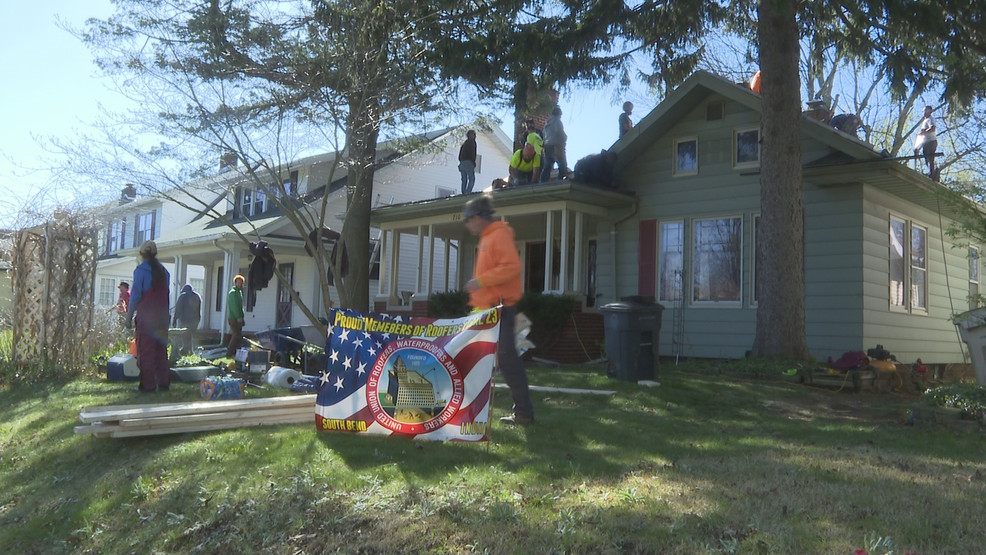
point(497, 282)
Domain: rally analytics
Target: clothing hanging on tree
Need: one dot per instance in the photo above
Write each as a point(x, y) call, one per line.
point(261, 270)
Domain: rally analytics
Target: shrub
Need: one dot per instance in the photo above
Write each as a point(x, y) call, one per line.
point(970, 399)
point(103, 339)
point(451, 304)
point(548, 313)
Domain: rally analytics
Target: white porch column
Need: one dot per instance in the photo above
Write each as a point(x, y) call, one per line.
point(179, 281)
point(430, 268)
point(224, 286)
point(549, 250)
point(420, 261)
point(231, 267)
point(563, 273)
point(384, 263)
point(394, 272)
point(447, 244)
point(460, 270)
point(578, 269)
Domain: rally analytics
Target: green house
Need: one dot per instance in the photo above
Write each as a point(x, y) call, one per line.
point(681, 225)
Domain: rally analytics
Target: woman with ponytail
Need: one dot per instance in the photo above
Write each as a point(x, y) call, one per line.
point(149, 299)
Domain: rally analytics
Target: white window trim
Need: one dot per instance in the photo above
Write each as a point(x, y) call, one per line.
point(909, 307)
point(248, 209)
point(751, 163)
point(116, 240)
point(660, 270)
point(975, 261)
point(676, 171)
point(144, 234)
point(691, 281)
point(108, 292)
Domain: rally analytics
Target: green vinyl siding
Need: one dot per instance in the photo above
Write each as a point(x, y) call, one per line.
point(846, 240)
point(930, 336)
point(716, 191)
point(832, 272)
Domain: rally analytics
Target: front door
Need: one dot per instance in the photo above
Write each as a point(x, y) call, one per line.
point(534, 263)
point(282, 318)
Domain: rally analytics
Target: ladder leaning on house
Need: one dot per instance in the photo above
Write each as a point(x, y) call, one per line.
point(677, 316)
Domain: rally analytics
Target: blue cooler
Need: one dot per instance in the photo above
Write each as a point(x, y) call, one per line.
point(122, 367)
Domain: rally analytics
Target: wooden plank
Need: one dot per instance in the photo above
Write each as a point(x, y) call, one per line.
point(94, 428)
point(191, 419)
point(96, 414)
point(290, 419)
point(563, 389)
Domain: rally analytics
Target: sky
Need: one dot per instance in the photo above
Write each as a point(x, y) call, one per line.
point(50, 87)
point(54, 89)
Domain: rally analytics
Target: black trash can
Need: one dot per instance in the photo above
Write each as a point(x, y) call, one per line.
point(632, 327)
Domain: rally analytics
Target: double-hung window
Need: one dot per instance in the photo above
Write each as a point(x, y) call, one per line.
point(115, 235)
point(107, 291)
point(908, 266)
point(670, 254)
point(717, 260)
point(253, 202)
point(144, 228)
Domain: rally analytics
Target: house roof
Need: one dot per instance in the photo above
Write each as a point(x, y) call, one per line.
point(850, 160)
point(693, 92)
point(504, 199)
point(206, 229)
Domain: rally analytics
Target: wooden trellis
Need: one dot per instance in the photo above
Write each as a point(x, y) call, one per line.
point(54, 271)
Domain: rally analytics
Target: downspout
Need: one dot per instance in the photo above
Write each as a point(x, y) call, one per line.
point(612, 238)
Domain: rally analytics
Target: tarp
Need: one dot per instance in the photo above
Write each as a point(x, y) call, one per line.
point(416, 377)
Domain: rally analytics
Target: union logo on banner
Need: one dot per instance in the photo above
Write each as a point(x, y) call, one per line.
point(419, 377)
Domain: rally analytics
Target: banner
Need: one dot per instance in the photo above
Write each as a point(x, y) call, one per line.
point(416, 377)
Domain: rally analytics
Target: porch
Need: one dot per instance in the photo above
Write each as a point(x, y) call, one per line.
point(426, 249)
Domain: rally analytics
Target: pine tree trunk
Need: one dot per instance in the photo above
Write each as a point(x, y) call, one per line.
point(780, 237)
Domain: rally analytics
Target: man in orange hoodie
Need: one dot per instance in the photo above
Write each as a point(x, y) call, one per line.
point(497, 282)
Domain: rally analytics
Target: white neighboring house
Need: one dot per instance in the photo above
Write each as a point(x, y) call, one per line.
point(203, 250)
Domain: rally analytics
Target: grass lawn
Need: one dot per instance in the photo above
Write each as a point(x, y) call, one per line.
point(702, 464)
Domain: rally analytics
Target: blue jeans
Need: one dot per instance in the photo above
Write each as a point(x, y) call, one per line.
point(468, 172)
point(552, 154)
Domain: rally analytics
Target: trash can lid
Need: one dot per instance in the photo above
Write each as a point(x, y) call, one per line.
point(624, 306)
point(639, 299)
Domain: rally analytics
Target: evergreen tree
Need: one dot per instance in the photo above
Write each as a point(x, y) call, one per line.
point(915, 44)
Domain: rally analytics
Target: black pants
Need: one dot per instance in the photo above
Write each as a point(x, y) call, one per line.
point(510, 365)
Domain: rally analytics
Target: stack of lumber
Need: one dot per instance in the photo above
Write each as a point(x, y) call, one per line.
point(176, 418)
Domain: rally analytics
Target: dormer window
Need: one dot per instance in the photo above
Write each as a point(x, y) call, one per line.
point(253, 202)
point(115, 235)
point(143, 228)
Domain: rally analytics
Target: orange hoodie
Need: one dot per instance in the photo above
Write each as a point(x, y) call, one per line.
point(497, 268)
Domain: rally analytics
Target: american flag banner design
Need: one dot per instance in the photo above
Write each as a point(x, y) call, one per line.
point(422, 378)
